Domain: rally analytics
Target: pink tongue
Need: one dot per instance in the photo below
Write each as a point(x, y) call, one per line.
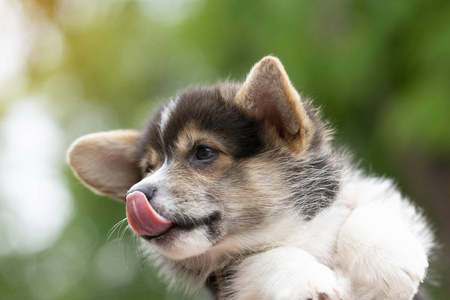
point(143, 218)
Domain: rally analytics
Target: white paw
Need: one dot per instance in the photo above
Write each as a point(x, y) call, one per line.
point(383, 260)
point(288, 273)
point(319, 283)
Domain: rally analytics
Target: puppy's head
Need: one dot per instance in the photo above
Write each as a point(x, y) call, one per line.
point(215, 167)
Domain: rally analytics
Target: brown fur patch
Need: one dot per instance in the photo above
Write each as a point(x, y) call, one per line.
point(192, 135)
point(151, 159)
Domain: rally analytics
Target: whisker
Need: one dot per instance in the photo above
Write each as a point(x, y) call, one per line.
point(117, 226)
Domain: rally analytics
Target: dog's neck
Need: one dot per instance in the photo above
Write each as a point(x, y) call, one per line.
point(218, 281)
point(212, 270)
point(202, 267)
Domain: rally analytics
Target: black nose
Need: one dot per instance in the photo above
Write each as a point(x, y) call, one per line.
point(148, 191)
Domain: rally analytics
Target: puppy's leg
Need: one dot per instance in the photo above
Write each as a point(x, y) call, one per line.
point(286, 273)
point(382, 248)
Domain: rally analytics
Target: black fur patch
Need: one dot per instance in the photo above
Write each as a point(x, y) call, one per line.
point(150, 135)
point(208, 110)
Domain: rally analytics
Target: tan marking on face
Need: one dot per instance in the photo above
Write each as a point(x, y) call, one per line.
point(256, 200)
point(191, 135)
point(151, 158)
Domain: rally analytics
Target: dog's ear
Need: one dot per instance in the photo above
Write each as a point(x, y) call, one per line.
point(267, 94)
point(106, 161)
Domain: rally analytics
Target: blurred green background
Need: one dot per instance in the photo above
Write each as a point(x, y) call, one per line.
point(380, 69)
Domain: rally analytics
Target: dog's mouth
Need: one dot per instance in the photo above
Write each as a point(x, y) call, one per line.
point(148, 223)
point(143, 219)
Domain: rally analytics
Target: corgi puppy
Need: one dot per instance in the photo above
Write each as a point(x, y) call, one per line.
point(237, 188)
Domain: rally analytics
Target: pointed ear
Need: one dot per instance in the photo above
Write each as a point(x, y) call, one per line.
point(106, 162)
point(267, 94)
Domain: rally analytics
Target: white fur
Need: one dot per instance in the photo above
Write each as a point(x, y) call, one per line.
point(286, 273)
point(192, 243)
point(370, 244)
point(155, 178)
point(319, 236)
point(166, 113)
point(383, 246)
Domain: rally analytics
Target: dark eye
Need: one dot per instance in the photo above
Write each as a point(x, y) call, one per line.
point(149, 169)
point(205, 153)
